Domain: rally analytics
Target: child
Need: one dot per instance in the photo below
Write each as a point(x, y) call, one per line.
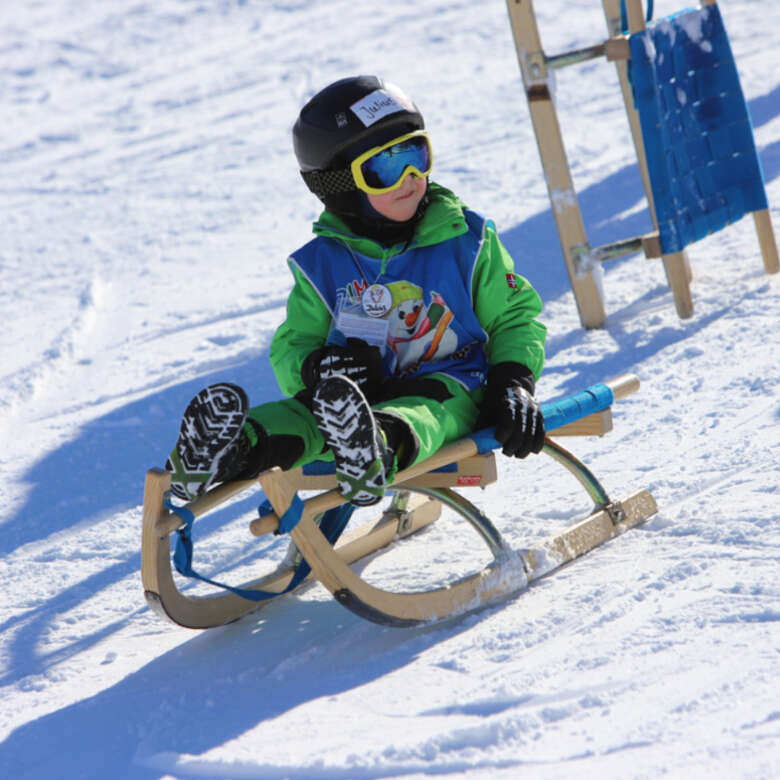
point(406, 327)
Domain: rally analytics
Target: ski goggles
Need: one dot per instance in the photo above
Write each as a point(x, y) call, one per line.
point(383, 168)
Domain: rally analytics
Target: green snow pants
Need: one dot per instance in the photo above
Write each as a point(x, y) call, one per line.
point(434, 419)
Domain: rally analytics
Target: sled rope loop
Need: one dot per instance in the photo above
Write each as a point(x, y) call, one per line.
point(182, 557)
point(419, 493)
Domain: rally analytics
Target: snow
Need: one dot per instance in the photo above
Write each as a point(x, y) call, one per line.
point(148, 201)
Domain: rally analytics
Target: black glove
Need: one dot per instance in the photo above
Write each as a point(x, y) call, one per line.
point(359, 361)
point(510, 404)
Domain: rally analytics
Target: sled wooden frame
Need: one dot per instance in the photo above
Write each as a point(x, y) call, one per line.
point(583, 263)
point(421, 491)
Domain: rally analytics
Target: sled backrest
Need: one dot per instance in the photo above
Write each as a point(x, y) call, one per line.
point(701, 156)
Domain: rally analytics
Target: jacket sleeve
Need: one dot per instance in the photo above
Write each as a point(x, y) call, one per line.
point(507, 307)
point(305, 328)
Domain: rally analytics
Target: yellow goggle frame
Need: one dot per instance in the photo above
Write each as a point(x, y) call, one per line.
point(356, 166)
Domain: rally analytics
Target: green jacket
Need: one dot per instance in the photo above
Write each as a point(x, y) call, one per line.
point(506, 305)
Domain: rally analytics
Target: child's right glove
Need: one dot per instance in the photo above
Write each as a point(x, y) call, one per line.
point(510, 404)
point(359, 361)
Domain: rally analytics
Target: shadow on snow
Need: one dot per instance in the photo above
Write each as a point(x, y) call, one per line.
point(214, 688)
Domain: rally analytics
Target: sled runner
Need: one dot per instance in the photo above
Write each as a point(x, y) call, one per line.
point(420, 493)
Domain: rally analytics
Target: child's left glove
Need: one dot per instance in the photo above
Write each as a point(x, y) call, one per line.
point(359, 361)
point(510, 404)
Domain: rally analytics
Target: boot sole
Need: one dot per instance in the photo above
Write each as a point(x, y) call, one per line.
point(349, 428)
point(210, 427)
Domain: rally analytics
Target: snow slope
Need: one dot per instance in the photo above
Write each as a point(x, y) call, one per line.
point(148, 200)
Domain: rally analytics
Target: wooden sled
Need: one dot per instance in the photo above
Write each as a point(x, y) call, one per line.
point(420, 494)
point(694, 185)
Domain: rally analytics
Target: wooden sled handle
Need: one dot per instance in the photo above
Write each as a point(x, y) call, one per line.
point(623, 386)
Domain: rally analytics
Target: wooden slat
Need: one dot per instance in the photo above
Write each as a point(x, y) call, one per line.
point(586, 284)
point(476, 471)
point(596, 424)
point(678, 274)
point(766, 240)
point(623, 386)
point(636, 15)
point(582, 537)
point(617, 48)
point(677, 265)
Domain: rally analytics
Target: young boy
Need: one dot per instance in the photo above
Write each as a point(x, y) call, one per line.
point(406, 326)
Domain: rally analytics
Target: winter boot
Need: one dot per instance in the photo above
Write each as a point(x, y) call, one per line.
point(364, 462)
point(210, 441)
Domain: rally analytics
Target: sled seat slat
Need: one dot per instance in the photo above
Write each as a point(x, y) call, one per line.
point(474, 471)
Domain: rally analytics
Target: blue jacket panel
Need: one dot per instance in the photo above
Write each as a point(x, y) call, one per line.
point(424, 296)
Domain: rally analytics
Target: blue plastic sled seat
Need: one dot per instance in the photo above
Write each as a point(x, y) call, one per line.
point(701, 156)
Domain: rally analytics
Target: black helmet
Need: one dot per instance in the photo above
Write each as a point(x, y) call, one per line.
point(343, 120)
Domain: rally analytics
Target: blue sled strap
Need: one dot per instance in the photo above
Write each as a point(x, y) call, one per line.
point(333, 523)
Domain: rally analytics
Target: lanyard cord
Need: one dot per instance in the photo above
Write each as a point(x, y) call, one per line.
point(359, 267)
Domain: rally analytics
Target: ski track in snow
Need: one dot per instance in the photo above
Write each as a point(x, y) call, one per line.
point(149, 200)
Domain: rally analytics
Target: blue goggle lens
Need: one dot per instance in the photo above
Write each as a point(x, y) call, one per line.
point(387, 167)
